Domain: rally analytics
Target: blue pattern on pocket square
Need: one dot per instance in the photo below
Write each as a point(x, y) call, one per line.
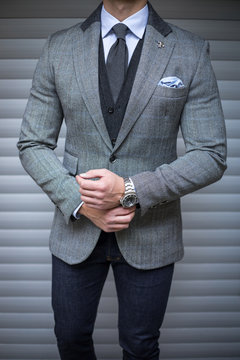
point(172, 82)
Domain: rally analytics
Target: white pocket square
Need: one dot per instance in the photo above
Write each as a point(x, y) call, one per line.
point(172, 82)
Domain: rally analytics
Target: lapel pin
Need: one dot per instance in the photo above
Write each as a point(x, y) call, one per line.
point(160, 44)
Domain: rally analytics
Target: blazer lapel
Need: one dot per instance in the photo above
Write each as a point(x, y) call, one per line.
point(85, 55)
point(156, 52)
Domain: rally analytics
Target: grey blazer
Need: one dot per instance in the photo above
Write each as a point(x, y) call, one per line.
point(65, 85)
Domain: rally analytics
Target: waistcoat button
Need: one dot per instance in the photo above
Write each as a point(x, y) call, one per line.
point(112, 158)
point(110, 110)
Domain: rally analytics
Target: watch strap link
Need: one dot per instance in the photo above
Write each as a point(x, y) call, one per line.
point(130, 197)
point(129, 186)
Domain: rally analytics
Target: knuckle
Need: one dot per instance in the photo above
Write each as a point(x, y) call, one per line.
point(104, 187)
point(101, 187)
point(108, 221)
point(100, 196)
point(82, 184)
point(97, 196)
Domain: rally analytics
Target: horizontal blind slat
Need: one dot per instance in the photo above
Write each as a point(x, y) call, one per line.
point(10, 128)
point(32, 48)
point(179, 288)
point(20, 88)
point(192, 237)
point(42, 27)
point(8, 147)
point(12, 166)
point(24, 69)
point(14, 108)
point(109, 304)
point(187, 271)
point(229, 184)
point(196, 220)
point(192, 202)
point(172, 320)
point(215, 9)
point(183, 351)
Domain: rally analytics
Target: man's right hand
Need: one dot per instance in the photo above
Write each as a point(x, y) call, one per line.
point(111, 220)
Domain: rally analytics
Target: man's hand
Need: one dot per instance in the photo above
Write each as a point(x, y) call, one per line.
point(111, 220)
point(101, 194)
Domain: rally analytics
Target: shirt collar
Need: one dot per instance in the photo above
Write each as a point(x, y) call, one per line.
point(136, 22)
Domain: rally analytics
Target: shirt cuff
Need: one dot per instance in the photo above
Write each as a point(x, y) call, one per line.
point(76, 213)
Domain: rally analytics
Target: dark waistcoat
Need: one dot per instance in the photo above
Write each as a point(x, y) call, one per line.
point(114, 113)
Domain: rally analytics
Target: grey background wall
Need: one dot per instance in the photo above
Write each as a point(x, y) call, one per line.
point(203, 315)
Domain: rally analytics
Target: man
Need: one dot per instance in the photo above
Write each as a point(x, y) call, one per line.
point(125, 81)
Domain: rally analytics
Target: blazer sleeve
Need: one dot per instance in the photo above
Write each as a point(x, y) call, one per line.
point(203, 130)
point(40, 128)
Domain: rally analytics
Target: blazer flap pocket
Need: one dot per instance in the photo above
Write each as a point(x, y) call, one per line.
point(70, 162)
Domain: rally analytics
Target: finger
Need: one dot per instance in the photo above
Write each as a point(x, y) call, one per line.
point(91, 201)
point(90, 185)
point(120, 219)
point(78, 179)
point(116, 228)
point(94, 173)
point(124, 219)
point(120, 211)
point(89, 193)
point(131, 209)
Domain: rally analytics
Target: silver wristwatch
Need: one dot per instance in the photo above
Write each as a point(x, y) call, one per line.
point(129, 198)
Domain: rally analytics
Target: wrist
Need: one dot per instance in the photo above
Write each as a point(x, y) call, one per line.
point(82, 210)
point(122, 188)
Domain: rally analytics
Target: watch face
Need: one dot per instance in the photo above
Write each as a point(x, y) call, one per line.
point(129, 200)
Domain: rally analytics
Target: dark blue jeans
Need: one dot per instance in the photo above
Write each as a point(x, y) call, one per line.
point(142, 297)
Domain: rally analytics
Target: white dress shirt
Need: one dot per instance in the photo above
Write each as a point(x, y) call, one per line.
point(137, 24)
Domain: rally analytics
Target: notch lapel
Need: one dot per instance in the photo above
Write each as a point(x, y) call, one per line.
point(85, 56)
point(153, 62)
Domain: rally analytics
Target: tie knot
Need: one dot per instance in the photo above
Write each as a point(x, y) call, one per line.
point(120, 30)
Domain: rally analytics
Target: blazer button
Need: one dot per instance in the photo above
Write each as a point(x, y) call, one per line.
point(112, 158)
point(110, 110)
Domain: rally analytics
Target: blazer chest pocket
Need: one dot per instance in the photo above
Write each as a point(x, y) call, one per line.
point(168, 92)
point(70, 162)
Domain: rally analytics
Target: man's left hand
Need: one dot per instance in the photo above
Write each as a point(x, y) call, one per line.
point(100, 188)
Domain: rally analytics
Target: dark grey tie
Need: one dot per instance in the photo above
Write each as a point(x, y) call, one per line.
point(117, 60)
